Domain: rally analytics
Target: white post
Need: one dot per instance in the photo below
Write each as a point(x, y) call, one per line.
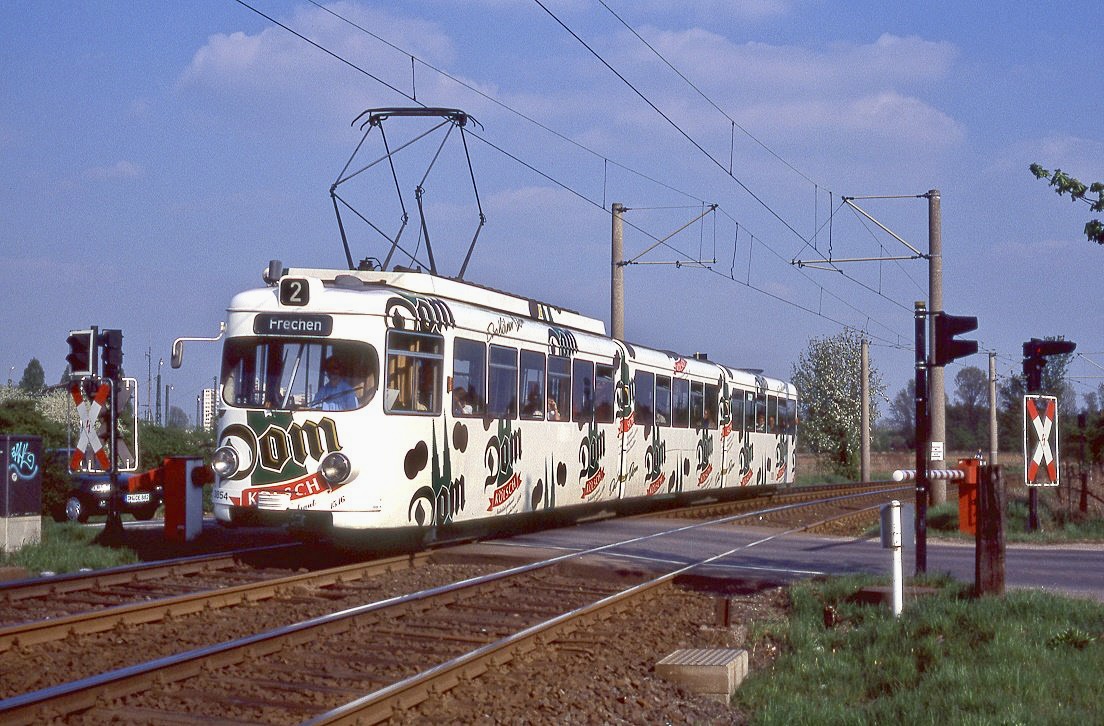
point(864, 414)
point(892, 540)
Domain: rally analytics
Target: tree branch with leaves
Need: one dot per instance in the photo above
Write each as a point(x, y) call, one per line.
point(1065, 184)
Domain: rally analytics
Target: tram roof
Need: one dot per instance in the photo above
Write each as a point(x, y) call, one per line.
point(458, 290)
point(470, 293)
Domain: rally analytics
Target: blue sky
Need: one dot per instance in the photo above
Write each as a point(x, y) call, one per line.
point(156, 155)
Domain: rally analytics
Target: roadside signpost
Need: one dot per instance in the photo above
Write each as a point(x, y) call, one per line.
point(101, 399)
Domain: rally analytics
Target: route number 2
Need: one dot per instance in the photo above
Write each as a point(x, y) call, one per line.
point(294, 291)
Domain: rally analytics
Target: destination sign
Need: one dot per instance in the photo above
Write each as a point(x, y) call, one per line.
point(292, 324)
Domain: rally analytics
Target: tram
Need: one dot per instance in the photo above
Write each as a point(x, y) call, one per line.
point(398, 401)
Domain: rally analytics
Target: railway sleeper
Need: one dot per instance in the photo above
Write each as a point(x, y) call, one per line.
point(256, 702)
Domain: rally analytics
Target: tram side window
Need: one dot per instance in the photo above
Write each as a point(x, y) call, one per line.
point(663, 401)
point(502, 383)
point(785, 419)
point(737, 410)
point(761, 412)
point(748, 407)
point(603, 393)
point(682, 402)
point(469, 378)
point(772, 415)
point(644, 408)
point(415, 363)
point(697, 405)
point(559, 388)
point(532, 385)
point(582, 390)
point(711, 403)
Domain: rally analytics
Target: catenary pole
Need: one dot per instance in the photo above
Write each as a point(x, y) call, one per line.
point(617, 275)
point(936, 392)
point(994, 444)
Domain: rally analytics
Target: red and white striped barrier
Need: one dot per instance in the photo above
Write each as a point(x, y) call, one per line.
point(910, 474)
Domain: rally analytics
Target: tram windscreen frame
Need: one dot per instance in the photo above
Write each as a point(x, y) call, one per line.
point(293, 374)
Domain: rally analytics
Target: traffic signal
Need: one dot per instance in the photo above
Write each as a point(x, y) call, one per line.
point(1035, 353)
point(81, 352)
point(946, 348)
point(112, 354)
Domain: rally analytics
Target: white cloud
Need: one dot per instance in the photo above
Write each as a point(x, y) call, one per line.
point(875, 87)
point(121, 169)
point(274, 61)
point(712, 10)
point(1082, 158)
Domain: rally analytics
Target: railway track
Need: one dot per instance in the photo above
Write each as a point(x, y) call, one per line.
point(464, 627)
point(58, 595)
point(26, 634)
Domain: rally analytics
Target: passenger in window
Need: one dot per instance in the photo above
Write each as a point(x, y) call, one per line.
point(367, 390)
point(426, 389)
point(336, 394)
point(461, 405)
point(532, 407)
point(553, 410)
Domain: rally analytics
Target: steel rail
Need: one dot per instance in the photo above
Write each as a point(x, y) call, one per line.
point(16, 590)
point(380, 705)
point(85, 693)
point(148, 611)
point(383, 703)
point(796, 494)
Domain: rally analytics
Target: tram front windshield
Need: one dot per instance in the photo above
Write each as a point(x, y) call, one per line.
point(291, 374)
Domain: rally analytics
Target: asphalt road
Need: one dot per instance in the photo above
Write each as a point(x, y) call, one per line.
point(771, 555)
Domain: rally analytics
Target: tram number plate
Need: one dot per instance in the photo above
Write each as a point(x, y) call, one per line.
point(294, 291)
point(137, 498)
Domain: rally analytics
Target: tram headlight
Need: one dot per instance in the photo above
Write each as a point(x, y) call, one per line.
point(225, 461)
point(335, 468)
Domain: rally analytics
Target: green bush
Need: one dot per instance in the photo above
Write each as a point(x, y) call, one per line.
point(22, 414)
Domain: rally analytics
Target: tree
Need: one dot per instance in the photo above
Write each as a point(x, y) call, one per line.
point(34, 378)
point(967, 420)
point(900, 425)
point(157, 442)
point(177, 418)
point(23, 416)
point(1065, 184)
point(828, 380)
point(1011, 391)
point(971, 386)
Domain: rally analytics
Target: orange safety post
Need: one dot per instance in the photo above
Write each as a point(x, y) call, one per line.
point(968, 496)
point(183, 497)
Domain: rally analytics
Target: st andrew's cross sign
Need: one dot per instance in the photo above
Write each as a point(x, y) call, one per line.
point(1041, 441)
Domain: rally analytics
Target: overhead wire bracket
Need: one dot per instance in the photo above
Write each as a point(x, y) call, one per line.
point(850, 201)
point(677, 263)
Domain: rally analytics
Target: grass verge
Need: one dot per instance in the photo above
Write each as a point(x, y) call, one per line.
point(1056, 525)
point(67, 547)
point(950, 658)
